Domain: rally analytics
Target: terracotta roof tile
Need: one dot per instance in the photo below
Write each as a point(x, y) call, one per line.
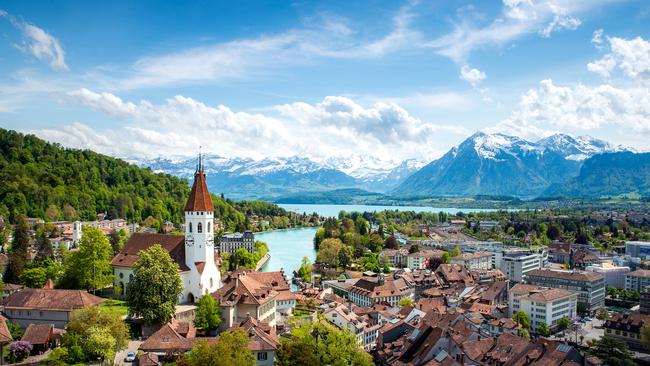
point(166, 339)
point(44, 299)
point(173, 244)
point(148, 359)
point(5, 335)
point(199, 199)
point(38, 334)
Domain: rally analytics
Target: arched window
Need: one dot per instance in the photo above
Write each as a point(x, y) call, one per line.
point(190, 226)
point(199, 228)
point(209, 227)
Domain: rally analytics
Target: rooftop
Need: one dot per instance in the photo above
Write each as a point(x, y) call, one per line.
point(567, 275)
point(46, 299)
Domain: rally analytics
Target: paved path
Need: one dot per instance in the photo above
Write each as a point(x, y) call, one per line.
point(120, 356)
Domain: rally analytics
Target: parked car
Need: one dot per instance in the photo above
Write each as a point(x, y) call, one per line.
point(130, 357)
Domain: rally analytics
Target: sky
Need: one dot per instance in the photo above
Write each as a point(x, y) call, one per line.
point(390, 80)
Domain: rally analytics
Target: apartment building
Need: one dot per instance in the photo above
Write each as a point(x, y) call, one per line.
point(517, 265)
point(367, 291)
point(419, 259)
point(590, 286)
point(614, 275)
point(232, 241)
point(637, 280)
point(362, 327)
point(474, 261)
point(543, 304)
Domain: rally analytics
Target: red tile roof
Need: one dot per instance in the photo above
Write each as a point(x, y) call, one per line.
point(173, 244)
point(44, 299)
point(38, 334)
point(166, 339)
point(199, 199)
point(5, 335)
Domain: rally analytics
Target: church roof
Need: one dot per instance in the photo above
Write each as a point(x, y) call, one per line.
point(199, 199)
point(173, 244)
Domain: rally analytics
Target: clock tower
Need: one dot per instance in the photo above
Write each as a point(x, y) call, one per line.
point(199, 240)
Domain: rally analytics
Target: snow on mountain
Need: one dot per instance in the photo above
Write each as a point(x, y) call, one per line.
point(489, 146)
point(577, 148)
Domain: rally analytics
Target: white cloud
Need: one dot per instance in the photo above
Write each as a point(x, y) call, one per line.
point(472, 76)
point(630, 56)
point(335, 126)
point(597, 38)
point(38, 42)
point(583, 108)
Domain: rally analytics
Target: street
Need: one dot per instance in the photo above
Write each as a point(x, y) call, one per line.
point(121, 355)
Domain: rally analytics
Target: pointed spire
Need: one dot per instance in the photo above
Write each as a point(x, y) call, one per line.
point(199, 199)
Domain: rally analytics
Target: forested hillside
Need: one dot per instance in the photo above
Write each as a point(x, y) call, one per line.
point(42, 179)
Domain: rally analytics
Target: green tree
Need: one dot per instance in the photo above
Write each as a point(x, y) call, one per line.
point(117, 238)
point(100, 343)
point(563, 323)
point(230, 349)
point(321, 344)
point(543, 330)
point(155, 287)
point(305, 270)
point(407, 301)
point(19, 251)
point(523, 333)
point(446, 258)
point(87, 329)
point(328, 252)
point(612, 351)
point(34, 277)
point(522, 319)
point(602, 314)
point(455, 252)
point(207, 313)
point(89, 267)
point(44, 248)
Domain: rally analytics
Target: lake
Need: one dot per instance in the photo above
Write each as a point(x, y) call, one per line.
point(333, 210)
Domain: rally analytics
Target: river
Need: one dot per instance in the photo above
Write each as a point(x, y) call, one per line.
point(333, 210)
point(288, 247)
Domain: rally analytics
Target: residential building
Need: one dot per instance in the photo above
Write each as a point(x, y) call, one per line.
point(639, 249)
point(590, 286)
point(517, 265)
point(232, 241)
point(243, 296)
point(626, 327)
point(362, 327)
point(614, 275)
point(262, 341)
point(420, 259)
point(644, 301)
point(340, 287)
point(542, 304)
point(193, 252)
point(40, 336)
point(45, 306)
point(173, 338)
point(637, 280)
point(396, 257)
point(370, 290)
point(474, 261)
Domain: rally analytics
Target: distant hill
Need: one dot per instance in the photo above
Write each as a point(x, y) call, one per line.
point(497, 164)
point(334, 197)
point(608, 175)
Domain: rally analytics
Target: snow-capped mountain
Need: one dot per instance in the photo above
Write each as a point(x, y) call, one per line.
point(498, 164)
point(277, 176)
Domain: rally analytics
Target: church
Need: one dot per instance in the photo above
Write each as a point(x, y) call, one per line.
point(193, 252)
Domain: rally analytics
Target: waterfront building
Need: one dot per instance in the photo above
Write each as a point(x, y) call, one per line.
point(232, 241)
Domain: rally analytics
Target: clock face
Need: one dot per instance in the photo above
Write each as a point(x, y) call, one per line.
point(209, 242)
point(189, 240)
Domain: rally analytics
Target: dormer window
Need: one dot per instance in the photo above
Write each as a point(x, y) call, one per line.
point(199, 228)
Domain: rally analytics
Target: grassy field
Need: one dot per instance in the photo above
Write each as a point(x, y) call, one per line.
point(114, 306)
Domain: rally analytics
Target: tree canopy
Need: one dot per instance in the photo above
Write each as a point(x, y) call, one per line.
point(155, 288)
point(90, 267)
point(207, 315)
point(230, 349)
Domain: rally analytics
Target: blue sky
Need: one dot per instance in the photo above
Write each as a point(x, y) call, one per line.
point(384, 79)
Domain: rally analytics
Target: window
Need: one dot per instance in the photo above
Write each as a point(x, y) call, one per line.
point(199, 228)
point(211, 283)
point(190, 226)
point(208, 227)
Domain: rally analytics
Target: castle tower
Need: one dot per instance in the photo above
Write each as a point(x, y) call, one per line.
point(199, 239)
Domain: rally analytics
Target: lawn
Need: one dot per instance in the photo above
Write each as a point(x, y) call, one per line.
point(114, 306)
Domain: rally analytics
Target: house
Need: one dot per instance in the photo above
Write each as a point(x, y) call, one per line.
point(243, 296)
point(193, 252)
point(474, 261)
point(420, 259)
point(370, 290)
point(626, 327)
point(5, 334)
point(148, 359)
point(45, 306)
point(454, 274)
point(362, 327)
point(396, 257)
point(504, 325)
point(173, 338)
point(40, 336)
point(262, 341)
point(10, 288)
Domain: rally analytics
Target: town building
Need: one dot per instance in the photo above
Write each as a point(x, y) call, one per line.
point(474, 261)
point(542, 304)
point(263, 341)
point(517, 265)
point(626, 327)
point(644, 301)
point(614, 275)
point(45, 306)
point(370, 290)
point(396, 257)
point(420, 259)
point(232, 241)
point(637, 280)
point(194, 252)
point(590, 286)
point(639, 249)
point(362, 327)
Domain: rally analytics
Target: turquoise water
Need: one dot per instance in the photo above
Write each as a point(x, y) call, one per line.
point(287, 248)
point(333, 210)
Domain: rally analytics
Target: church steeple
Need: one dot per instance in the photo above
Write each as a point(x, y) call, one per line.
point(199, 199)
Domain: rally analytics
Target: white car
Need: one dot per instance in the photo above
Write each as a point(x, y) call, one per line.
point(130, 357)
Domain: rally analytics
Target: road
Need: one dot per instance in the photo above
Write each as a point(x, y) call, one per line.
point(120, 356)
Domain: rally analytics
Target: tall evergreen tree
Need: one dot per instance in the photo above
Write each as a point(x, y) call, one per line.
point(19, 251)
point(44, 247)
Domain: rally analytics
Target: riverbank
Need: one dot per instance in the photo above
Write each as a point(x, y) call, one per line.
point(265, 259)
point(287, 248)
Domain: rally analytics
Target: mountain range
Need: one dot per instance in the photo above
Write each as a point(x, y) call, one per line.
point(483, 164)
